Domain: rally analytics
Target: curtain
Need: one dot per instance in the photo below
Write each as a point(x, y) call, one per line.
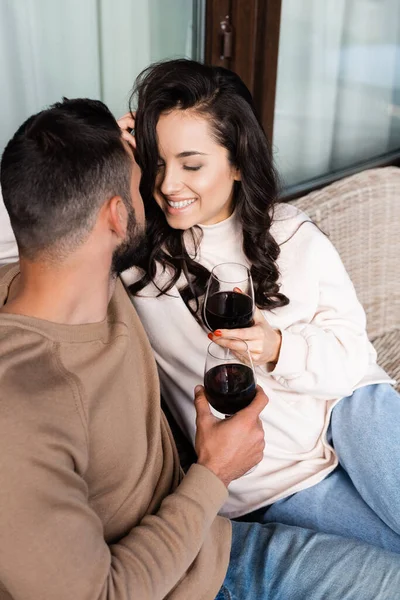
point(338, 87)
point(82, 48)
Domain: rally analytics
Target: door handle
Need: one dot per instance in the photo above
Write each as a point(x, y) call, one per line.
point(226, 34)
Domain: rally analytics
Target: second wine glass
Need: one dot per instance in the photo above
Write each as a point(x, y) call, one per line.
point(229, 377)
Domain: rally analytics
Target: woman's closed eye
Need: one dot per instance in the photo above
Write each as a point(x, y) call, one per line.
point(187, 168)
point(161, 165)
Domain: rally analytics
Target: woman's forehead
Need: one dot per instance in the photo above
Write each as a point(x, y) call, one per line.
point(186, 131)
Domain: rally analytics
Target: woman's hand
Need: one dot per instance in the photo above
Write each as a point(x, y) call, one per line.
point(263, 341)
point(127, 123)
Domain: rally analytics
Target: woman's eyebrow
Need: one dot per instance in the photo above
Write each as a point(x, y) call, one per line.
point(190, 153)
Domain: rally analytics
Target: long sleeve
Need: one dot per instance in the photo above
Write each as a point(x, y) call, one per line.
point(328, 355)
point(52, 542)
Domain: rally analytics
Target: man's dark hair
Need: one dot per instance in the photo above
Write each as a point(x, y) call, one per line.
point(58, 170)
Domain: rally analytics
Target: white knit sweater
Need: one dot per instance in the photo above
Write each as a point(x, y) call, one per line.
point(325, 355)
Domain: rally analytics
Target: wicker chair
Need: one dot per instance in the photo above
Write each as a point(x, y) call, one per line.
point(361, 216)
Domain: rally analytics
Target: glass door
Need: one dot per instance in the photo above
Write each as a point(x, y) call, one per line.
point(338, 88)
point(325, 78)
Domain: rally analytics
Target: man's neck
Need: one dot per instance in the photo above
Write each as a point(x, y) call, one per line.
point(75, 292)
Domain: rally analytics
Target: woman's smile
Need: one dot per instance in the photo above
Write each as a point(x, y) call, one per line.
point(176, 206)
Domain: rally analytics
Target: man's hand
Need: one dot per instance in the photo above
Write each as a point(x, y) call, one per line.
point(230, 447)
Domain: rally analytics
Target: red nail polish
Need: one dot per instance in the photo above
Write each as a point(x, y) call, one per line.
point(218, 333)
point(210, 336)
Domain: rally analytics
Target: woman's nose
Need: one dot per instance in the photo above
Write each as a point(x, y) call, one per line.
point(170, 182)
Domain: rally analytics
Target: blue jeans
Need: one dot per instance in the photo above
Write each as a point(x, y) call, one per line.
point(361, 498)
point(299, 558)
point(280, 562)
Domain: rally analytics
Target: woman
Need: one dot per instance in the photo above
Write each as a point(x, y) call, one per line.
point(210, 193)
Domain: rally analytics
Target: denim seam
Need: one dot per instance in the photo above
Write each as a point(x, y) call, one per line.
point(224, 594)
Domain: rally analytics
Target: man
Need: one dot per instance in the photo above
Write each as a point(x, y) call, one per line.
point(92, 502)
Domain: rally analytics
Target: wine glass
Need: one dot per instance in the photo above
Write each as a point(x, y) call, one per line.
point(225, 307)
point(229, 377)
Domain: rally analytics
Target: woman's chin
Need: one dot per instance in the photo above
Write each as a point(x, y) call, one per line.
point(183, 219)
point(182, 224)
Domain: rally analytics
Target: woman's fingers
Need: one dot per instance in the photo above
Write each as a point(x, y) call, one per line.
point(258, 316)
point(254, 347)
point(231, 338)
point(126, 124)
point(246, 333)
point(234, 345)
point(127, 121)
point(129, 138)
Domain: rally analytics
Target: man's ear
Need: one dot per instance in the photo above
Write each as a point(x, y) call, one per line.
point(117, 216)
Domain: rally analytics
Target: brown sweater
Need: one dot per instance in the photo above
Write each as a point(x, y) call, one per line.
point(90, 501)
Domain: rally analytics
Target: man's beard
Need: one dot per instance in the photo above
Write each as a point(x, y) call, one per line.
point(132, 250)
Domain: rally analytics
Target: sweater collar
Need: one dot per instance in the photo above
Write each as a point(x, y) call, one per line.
point(214, 234)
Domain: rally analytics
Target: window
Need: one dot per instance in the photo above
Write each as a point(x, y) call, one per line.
point(325, 77)
point(85, 48)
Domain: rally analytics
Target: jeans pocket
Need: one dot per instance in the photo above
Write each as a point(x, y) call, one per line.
point(223, 594)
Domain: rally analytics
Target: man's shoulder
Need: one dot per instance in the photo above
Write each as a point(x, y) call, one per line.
point(17, 337)
point(31, 375)
point(41, 415)
point(42, 423)
point(7, 274)
point(7, 268)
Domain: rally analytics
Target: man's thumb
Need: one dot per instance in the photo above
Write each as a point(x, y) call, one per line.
point(200, 401)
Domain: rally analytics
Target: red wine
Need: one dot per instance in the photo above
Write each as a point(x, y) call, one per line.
point(230, 387)
point(228, 310)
